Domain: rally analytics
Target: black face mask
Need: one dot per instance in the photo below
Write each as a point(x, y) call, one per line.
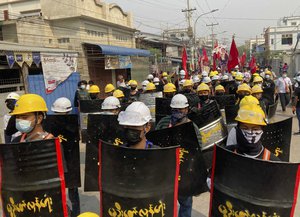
point(169, 95)
point(219, 94)
point(133, 88)
point(133, 136)
point(93, 96)
point(241, 96)
point(187, 90)
point(203, 98)
point(10, 104)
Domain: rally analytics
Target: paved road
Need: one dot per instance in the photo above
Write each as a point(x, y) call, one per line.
point(90, 201)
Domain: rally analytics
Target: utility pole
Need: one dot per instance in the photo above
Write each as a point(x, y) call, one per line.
point(212, 34)
point(190, 28)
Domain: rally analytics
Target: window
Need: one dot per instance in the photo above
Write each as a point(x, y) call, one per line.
point(287, 39)
point(95, 33)
point(63, 40)
point(294, 23)
point(272, 41)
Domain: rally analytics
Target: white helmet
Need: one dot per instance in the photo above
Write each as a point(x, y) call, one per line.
point(247, 75)
point(204, 74)
point(110, 102)
point(13, 95)
point(196, 79)
point(144, 83)
point(181, 82)
point(136, 114)
point(206, 80)
point(150, 77)
point(179, 101)
point(182, 72)
point(61, 104)
point(225, 77)
point(215, 78)
point(156, 80)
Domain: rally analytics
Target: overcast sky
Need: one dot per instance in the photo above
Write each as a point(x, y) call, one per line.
point(245, 19)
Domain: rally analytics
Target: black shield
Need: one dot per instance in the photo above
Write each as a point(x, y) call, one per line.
point(243, 186)
point(193, 99)
point(193, 171)
point(66, 128)
point(272, 110)
point(149, 100)
point(104, 127)
point(32, 179)
point(136, 181)
point(277, 138)
point(231, 112)
point(163, 108)
point(225, 100)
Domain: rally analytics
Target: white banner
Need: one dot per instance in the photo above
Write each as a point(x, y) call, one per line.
point(57, 67)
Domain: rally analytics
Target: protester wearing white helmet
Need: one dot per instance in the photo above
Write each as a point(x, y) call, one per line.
point(180, 108)
point(156, 81)
point(10, 131)
point(182, 74)
point(225, 78)
point(136, 121)
point(111, 106)
point(204, 74)
point(196, 81)
point(150, 78)
point(144, 85)
point(206, 80)
point(61, 105)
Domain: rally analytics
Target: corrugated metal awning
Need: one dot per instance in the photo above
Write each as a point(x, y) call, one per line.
point(122, 51)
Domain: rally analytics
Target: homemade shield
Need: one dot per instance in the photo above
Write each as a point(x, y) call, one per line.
point(138, 182)
point(225, 100)
point(162, 108)
point(193, 99)
point(32, 179)
point(65, 127)
point(243, 186)
point(272, 110)
point(193, 171)
point(149, 100)
point(106, 128)
point(231, 113)
point(277, 138)
point(87, 107)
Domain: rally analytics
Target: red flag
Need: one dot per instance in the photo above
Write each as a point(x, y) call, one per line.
point(184, 60)
point(252, 65)
point(233, 59)
point(243, 59)
point(205, 58)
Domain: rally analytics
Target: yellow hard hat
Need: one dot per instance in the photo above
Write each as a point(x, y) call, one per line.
point(268, 72)
point(187, 83)
point(233, 73)
point(133, 83)
point(249, 100)
point(169, 88)
point(94, 89)
point(219, 88)
point(257, 89)
point(29, 103)
point(109, 88)
point(203, 87)
point(257, 79)
point(239, 77)
point(164, 74)
point(118, 93)
point(251, 114)
point(213, 73)
point(244, 87)
point(88, 214)
point(150, 86)
point(255, 74)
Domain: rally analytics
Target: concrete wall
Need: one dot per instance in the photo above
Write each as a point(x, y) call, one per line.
point(276, 33)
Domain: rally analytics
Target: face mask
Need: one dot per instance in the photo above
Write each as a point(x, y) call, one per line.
point(268, 77)
point(241, 96)
point(203, 98)
point(238, 82)
point(133, 88)
point(23, 126)
point(165, 78)
point(156, 84)
point(144, 88)
point(182, 76)
point(82, 86)
point(93, 96)
point(219, 93)
point(169, 95)
point(10, 104)
point(187, 90)
point(133, 136)
point(177, 116)
point(298, 78)
point(252, 136)
point(284, 76)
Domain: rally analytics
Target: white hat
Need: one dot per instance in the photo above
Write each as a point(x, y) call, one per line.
point(111, 102)
point(204, 74)
point(61, 104)
point(13, 95)
point(225, 77)
point(182, 72)
point(136, 114)
point(150, 77)
point(179, 101)
point(196, 79)
point(206, 80)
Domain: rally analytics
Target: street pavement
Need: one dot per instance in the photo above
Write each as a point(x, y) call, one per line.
point(90, 200)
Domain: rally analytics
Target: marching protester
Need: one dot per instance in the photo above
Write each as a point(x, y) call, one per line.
point(134, 93)
point(150, 88)
point(296, 101)
point(10, 131)
point(257, 93)
point(81, 93)
point(245, 139)
point(268, 86)
point(111, 106)
point(150, 78)
point(219, 90)
point(144, 86)
point(169, 90)
point(136, 121)
point(63, 106)
point(196, 82)
point(94, 92)
point(109, 90)
point(284, 90)
point(121, 81)
point(119, 95)
point(203, 92)
point(180, 109)
point(242, 91)
point(187, 87)
point(90, 83)
point(30, 111)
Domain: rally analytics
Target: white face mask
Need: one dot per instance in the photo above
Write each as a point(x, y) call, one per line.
point(144, 88)
point(267, 76)
point(24, 126)
point(252, 136)
point(298, 78)
point(165, 78)
point(82, 86)
point(284, 76)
